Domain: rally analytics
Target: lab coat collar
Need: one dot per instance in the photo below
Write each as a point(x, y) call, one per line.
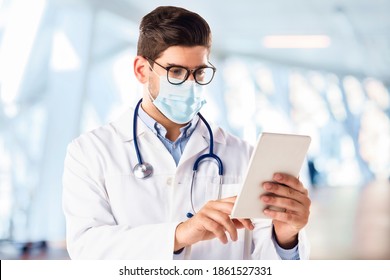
point(123, 126)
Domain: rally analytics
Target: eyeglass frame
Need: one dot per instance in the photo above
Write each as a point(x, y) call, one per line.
point(189, 71)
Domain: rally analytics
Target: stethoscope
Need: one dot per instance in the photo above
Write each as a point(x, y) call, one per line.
point(143, 170)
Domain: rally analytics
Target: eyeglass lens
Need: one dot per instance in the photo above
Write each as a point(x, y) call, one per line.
point(202, 75)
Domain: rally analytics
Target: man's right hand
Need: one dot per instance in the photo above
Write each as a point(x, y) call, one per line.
point(212, 221)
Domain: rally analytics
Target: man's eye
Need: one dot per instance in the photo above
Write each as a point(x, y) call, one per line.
point(178, 72)
point(200, 72)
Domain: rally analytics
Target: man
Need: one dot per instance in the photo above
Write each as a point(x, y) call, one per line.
point(112, 214)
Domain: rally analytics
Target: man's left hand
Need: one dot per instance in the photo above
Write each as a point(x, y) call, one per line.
point(288, 193)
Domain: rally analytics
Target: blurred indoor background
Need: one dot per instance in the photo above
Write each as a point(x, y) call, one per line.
point(312, 67)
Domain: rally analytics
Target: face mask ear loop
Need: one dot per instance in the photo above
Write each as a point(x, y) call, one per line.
point(150, 95)
point(151, 68)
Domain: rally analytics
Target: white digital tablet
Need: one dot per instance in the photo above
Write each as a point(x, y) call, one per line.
point(273, 153)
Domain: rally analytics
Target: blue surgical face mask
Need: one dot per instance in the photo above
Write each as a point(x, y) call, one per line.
point(179, 103)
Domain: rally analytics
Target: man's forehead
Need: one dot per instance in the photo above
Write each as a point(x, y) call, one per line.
point(185, 56)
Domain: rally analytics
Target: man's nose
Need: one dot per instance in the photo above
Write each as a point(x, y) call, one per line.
point(192, 75)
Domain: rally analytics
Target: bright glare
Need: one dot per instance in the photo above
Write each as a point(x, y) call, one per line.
point(21, 28)
point(377, 91)
point(64, 56)
point(296, 41)
point(354, 93)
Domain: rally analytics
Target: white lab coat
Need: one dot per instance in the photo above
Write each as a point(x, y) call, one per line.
point(110, 214)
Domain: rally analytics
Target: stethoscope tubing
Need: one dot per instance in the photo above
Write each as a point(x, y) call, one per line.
point(144, 170)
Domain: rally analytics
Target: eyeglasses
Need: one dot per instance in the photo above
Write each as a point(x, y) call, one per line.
point(177, 74)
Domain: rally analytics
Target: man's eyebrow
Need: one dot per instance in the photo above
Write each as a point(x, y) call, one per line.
point(196, 67)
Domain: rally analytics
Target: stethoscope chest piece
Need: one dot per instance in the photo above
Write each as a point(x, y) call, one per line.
point(143, 170)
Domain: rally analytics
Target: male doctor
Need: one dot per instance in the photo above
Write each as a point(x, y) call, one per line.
point(112, 214)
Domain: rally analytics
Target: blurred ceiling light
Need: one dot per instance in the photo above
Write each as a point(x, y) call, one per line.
point(296, 41)
point(64, 56)
point(22, 23)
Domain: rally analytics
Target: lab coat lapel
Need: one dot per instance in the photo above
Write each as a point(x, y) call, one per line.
point(198, 143)
point(156, 146)
point(149, 144)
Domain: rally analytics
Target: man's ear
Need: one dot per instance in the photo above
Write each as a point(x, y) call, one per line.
point(141, 70)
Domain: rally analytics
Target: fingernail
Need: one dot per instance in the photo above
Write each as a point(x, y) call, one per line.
point(278, 176)
point(267, 186)
point(265, 198)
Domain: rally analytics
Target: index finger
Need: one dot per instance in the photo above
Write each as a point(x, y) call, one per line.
point(229, 199)
point(290, 181)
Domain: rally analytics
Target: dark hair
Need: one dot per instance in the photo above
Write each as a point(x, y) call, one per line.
point(169, 26)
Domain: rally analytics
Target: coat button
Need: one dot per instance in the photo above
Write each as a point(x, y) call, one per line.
point(169, 181)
